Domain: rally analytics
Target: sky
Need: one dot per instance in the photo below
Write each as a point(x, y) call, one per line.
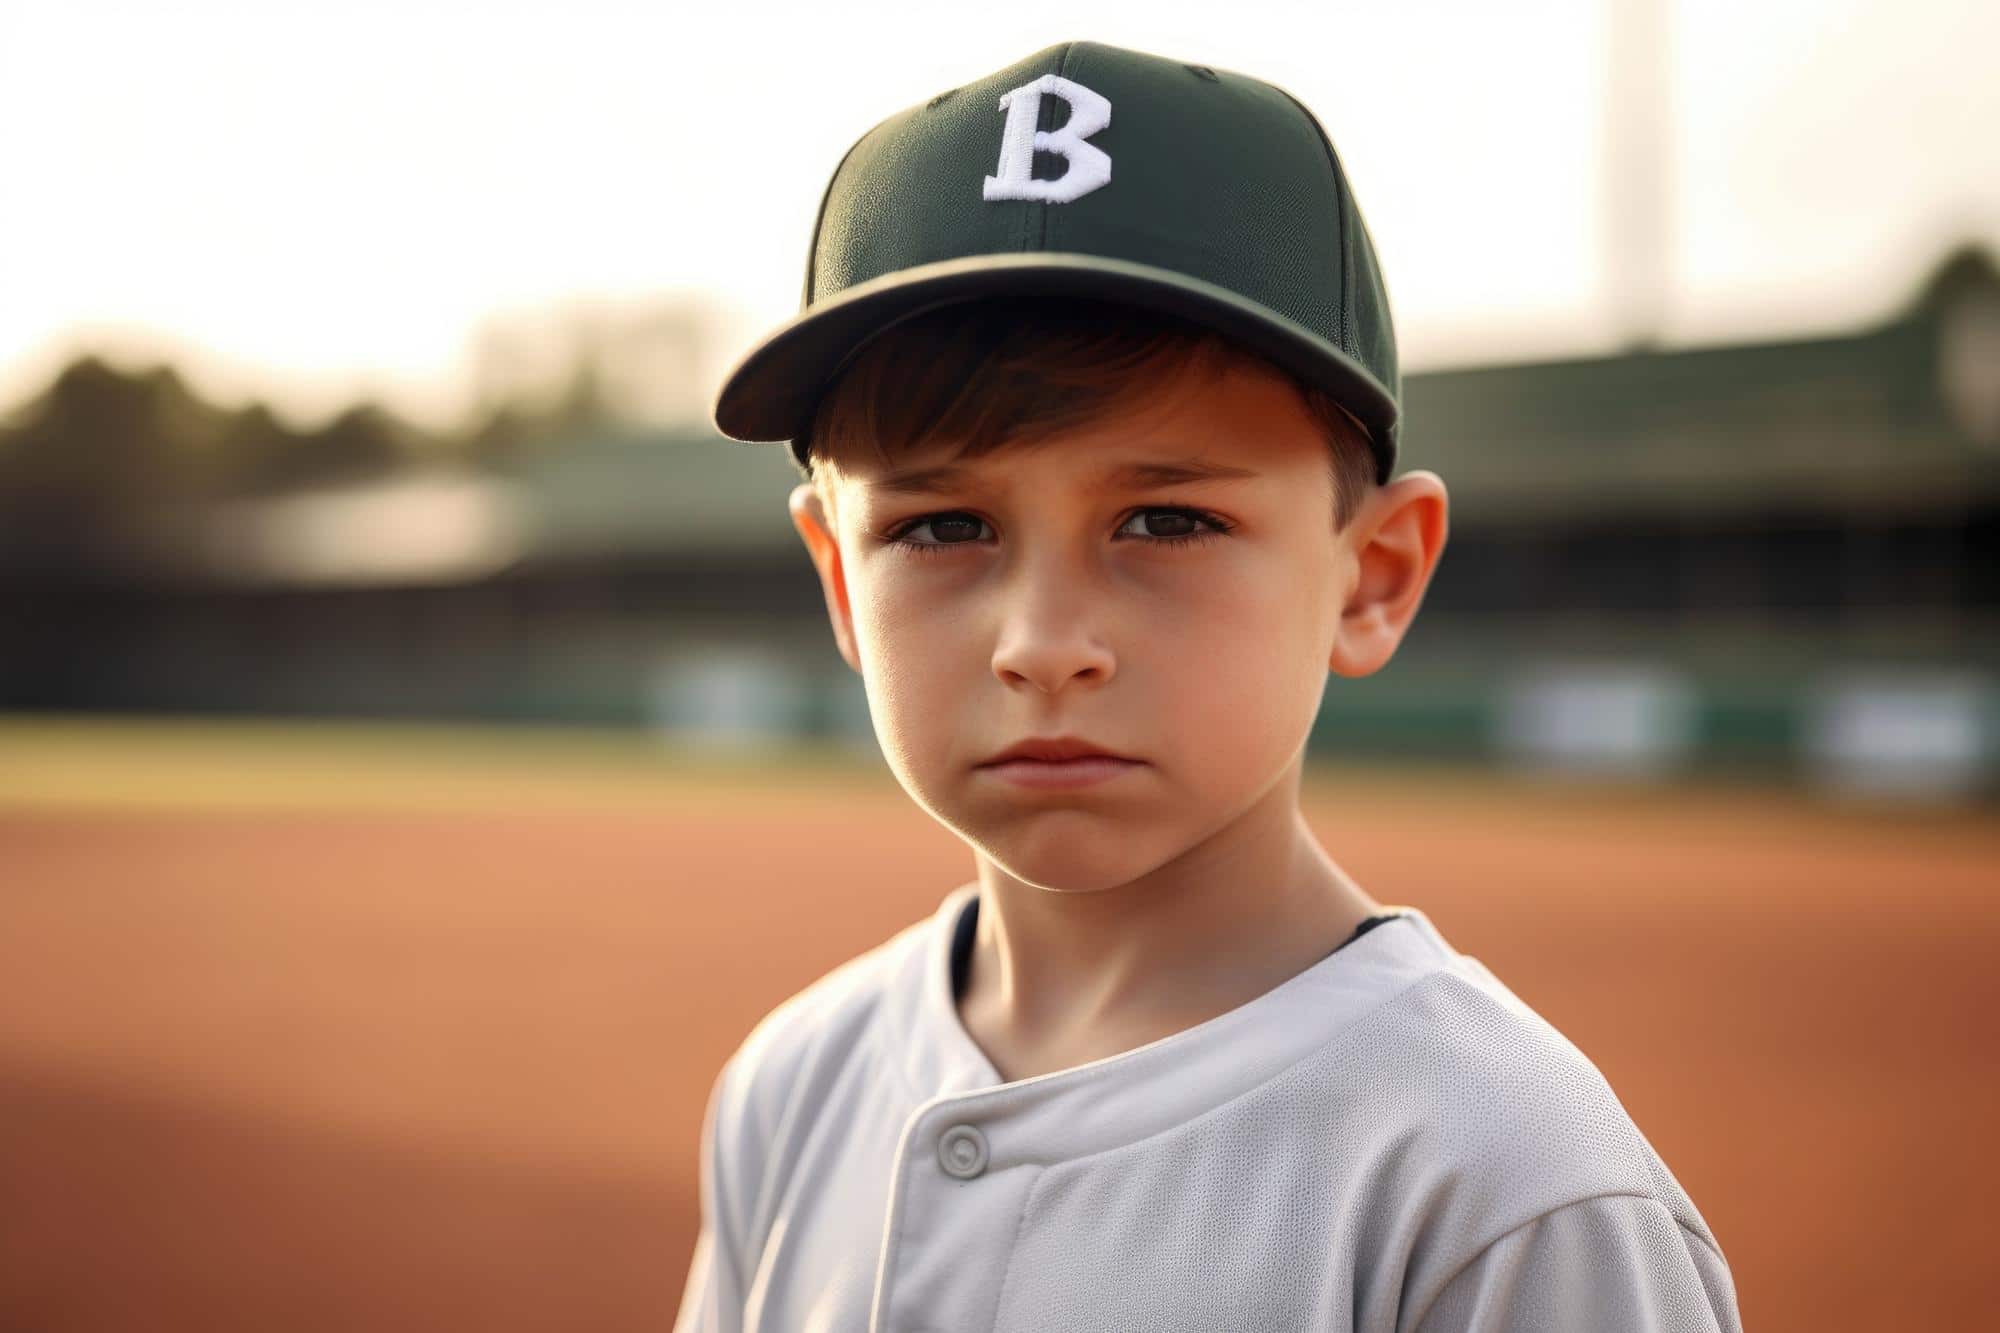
point(310, 204)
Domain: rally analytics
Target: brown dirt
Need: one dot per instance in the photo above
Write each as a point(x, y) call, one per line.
point(325, 1070)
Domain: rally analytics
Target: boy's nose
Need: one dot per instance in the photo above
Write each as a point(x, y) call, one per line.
point(1049, 647)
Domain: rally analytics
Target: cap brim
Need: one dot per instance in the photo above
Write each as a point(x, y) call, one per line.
point(772, 392)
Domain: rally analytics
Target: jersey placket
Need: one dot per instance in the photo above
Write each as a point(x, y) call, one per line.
point(961, 1182)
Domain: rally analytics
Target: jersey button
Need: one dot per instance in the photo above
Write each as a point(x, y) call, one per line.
point(962, 1151)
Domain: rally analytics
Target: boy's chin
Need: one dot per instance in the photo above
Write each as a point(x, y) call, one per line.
point(1076, 867)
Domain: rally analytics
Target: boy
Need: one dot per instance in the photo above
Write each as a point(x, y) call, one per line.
point(1098, 445)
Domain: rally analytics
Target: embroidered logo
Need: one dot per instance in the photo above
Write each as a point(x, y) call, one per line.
point(1089, 165)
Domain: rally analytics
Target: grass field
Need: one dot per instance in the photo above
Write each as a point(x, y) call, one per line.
point(340, 1028)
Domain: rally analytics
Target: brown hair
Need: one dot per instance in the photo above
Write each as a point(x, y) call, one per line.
point(1009, 368)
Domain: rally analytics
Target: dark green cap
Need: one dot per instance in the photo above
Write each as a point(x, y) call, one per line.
point(1091, 171)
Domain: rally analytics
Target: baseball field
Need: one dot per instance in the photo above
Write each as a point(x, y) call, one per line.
point(316, 1028)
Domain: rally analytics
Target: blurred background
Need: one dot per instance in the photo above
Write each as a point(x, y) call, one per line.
point(423, 755)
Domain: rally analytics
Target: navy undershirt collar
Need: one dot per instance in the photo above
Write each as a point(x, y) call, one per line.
point(968, 921)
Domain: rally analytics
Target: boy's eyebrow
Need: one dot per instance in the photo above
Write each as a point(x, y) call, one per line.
point(933, 480)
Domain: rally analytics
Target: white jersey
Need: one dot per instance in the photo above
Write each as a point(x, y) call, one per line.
point(1389, 1142)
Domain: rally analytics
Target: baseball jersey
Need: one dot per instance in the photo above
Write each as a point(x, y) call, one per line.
point(1389, 1141)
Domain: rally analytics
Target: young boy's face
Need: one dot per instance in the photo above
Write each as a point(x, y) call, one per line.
point(1050, 599)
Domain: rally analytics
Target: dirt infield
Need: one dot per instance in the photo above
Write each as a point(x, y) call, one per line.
point(272, 1066)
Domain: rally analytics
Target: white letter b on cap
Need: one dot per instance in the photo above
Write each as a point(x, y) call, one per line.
point(1089, 165)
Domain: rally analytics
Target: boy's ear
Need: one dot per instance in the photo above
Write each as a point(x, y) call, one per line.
point(809, 517)
point(1396, 539)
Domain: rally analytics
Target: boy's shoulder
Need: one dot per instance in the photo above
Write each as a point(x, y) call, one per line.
point(1480, 1108)
point(809, 1037)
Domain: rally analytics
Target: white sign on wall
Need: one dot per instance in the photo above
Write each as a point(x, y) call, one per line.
point(1901, 733)
point(1612, 719)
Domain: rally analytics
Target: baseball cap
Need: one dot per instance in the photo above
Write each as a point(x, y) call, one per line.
point(1102, 173)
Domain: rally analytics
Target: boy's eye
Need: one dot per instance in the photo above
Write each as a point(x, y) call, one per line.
point(958, 528)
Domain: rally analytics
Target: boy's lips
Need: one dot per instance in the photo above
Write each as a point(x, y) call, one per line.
point(1054, 749)
point(1060, 774)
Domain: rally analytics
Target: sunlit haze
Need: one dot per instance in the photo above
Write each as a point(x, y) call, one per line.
point(312, 204)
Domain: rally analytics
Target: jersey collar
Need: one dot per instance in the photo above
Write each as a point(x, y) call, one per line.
point(1125, 1097)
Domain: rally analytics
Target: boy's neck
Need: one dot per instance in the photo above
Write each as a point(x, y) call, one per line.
point(1056, 979)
